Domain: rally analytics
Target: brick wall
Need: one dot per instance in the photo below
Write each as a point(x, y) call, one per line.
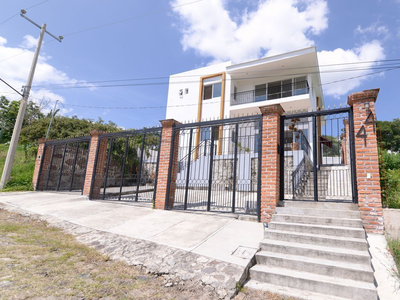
point(270, 162)
point(38, 162)
point(163, 166)
point(367, 162)
point(101, 161)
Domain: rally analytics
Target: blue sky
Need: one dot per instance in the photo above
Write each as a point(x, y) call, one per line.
point(180, 35)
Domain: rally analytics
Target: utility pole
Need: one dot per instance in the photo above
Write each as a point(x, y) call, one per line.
point(52, 116)
point(22, 107)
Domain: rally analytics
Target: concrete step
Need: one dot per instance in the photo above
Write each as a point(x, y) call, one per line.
point(288, 292)
point(317, 239)
point(341, 222)
point(318, 229)
point(321, 205)
point(330, 213)
point(361, 272)
point(315, 251)
point(317, 283)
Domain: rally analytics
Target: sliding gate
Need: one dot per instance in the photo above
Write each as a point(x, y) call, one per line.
point(63, 166)
point(318, 156)
point(126, 166)
point(217, 166)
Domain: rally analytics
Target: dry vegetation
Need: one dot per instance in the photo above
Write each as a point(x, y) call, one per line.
point(41, 262)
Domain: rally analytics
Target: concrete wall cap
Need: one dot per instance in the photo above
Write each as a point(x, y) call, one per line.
point(169, 122)
point(272, 109)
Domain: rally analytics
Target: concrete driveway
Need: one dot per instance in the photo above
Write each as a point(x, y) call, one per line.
point(219, 236)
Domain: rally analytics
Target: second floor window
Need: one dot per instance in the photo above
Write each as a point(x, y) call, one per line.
point(212, 91)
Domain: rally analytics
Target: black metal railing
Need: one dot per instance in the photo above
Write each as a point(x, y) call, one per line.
point(271, 93)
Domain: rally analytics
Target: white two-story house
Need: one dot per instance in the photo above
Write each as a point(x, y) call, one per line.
point(227, 90)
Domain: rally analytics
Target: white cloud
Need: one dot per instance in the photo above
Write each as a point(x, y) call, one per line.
point(371, 51)
point(276, 26)
point(29, 42)
point(373, 29)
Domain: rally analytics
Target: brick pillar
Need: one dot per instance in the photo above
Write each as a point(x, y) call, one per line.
point(367, 162)
point(38, 162)
point(100, 168)
point(163, 165)
point(270, 160)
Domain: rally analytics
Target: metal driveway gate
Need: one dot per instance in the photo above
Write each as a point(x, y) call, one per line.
point(318, 156)
point(127, 165)
point(63, 166)
point(218, 166)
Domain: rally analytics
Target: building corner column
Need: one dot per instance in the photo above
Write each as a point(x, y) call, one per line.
point(270, 160)
point(367, 160)
point(40, 164)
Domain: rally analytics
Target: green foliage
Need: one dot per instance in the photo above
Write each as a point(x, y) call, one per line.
point(390, 133)
point(22, 172)
point(389, 168)
point(336, 147)
point(394, 248)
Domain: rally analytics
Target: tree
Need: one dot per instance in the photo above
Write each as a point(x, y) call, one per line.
point(389, 131)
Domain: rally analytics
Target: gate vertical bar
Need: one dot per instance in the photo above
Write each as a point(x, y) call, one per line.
point(107, 166)
point(61, 167)
point(352, 157)
point(171, 157)
point(73, 166)
point(51, 162)
point(123, 169)
point(315, 157)
point(84, 173)
point(140, 167)
point(94, 168)
point(259, 170)
point(188, 169)
point(41, 166)
point(235, 167)
point(282, 160)
point(157, 164)
point(211, 167)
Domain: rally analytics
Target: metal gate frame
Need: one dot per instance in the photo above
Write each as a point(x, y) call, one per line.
point(53, 144)
point(314, 115)
point(215, 124)
point(127, 135)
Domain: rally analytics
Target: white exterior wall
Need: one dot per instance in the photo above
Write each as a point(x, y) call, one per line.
point(185, 108)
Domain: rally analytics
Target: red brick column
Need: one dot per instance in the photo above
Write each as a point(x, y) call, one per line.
point(100, 168)
point(270, 160)
point(38, 162)
point(367, 162)
point(163, 166)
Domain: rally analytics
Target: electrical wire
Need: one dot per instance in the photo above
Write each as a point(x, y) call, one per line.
point(25, 9)
point(10, 87)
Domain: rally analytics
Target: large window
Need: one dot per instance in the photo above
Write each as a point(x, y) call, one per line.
point(261, 92)
point(205, 133)
point(300, 86)
point(212, 91)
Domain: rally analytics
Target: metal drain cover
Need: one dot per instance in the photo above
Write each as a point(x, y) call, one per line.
point(244, 252)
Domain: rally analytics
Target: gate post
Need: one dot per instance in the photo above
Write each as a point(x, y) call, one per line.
point(270, 160)
point(167, 165)
point(40, 164)
point(97, 154)
point(367, 162)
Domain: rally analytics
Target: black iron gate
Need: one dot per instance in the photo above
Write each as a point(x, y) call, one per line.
point(126, 166)
point(63, 166)
point(218, 166)
point(318, 156)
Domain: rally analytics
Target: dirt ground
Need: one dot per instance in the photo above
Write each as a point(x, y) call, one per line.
point(38, 261)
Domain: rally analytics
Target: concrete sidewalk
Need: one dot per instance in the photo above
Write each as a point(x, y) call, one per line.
point(218, 236)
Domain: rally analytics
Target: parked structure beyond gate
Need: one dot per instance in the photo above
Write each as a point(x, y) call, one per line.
point(238, 165)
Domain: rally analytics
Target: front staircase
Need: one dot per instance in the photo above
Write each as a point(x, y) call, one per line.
point(315, 250)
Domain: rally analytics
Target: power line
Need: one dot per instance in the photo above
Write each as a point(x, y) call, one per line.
point(13, 16)
point(86, 85)
point(10, 86)
point(131, 18)
point(196, 104)
point(385, 65)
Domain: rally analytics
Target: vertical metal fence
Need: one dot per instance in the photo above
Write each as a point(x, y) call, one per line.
point(63, 166)
point(218, 166)
point(126, 166)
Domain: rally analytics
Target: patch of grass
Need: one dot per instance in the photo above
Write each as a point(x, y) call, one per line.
point(22, 172)
point(394, 248)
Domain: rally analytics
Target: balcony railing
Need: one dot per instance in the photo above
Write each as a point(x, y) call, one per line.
point(270, 93)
